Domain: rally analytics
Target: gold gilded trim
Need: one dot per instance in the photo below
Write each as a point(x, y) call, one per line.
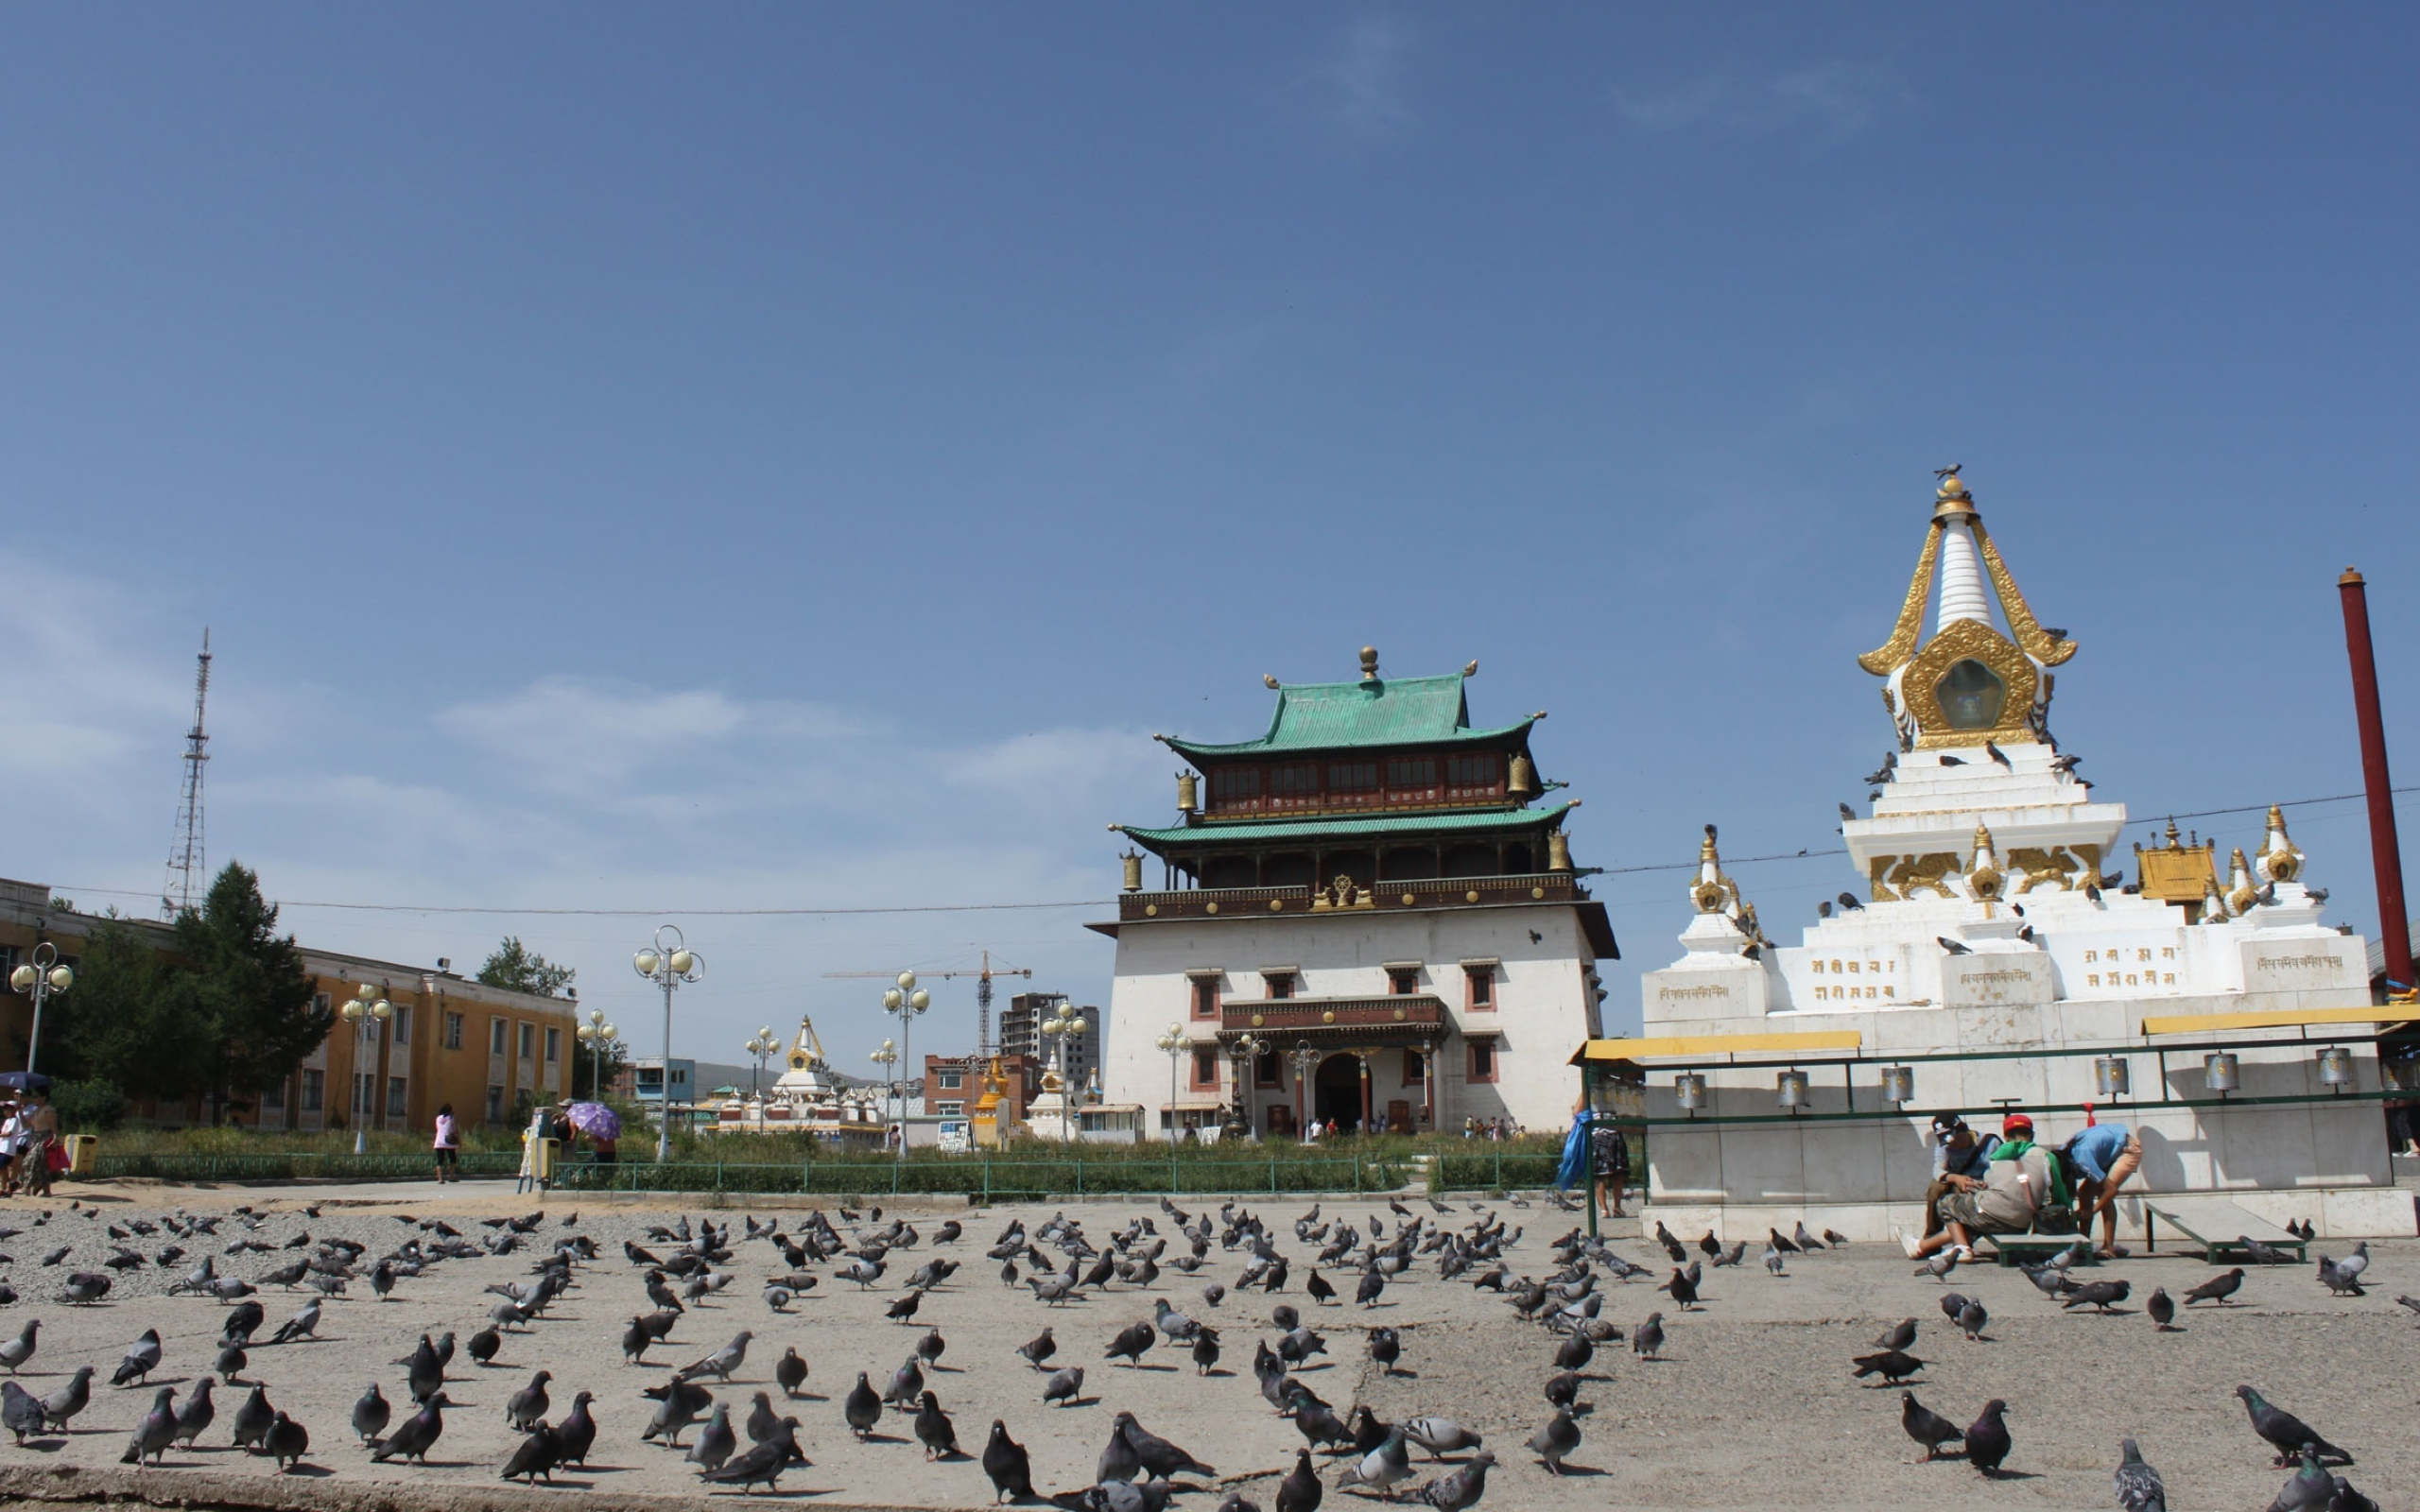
point(2036, 641)
point(1961, 640)
point(1912, 613)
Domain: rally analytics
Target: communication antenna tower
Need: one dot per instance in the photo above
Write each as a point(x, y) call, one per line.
point(184, 845)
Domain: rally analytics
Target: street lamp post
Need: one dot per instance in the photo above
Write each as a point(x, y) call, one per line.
point(1306, 1060)
point(368, 1008)
point(906, 1000)
point(1174, 1042)
point(762, 1045)
point(599, 1036)
point(1058, 1026)
point(1243, 1053)
point(887, 1056)
point(668, 963)
point(38, 979)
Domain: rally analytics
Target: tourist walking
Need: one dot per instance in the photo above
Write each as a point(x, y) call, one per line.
point(448, 1145)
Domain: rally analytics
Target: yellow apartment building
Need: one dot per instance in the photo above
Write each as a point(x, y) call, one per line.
point(448, 1040)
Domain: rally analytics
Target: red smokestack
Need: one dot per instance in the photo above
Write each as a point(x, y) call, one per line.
point(2394, 929)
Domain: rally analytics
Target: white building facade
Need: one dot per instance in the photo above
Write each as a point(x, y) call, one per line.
point(1368, 918)
point(2001, 960)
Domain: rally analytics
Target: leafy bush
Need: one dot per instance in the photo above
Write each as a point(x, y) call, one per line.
point(87, 1106)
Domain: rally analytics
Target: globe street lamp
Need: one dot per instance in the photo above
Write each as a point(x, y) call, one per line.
point(1058, 1026)
point(38, 979)
point(1176, 1046)
point(762, 1045)
point(1243, 1053)
point(1306, 1060)
point(906, 1000)
point(887, 1056)
point(367, 1009)
point(670, 963)
point(599, 1036)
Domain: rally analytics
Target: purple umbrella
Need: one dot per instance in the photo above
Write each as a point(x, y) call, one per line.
point(595, 1120)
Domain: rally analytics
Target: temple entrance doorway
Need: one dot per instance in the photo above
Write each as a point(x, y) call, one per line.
point(1337, 1090)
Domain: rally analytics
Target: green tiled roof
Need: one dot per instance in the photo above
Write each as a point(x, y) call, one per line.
point(1382, 711)
point(1396, 826)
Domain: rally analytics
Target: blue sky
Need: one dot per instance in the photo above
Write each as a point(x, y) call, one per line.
point(764, 457)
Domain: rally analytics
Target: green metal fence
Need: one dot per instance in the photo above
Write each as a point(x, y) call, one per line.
point(986, 1180)
point(342, 1167)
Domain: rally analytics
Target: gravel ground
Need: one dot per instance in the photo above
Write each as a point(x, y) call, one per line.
point(1752, 1407)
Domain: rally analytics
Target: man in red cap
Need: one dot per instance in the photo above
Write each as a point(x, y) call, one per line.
point(2021, 1179)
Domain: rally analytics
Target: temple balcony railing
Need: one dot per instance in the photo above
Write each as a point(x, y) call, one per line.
point(1417, 1015)
point(1419, 892)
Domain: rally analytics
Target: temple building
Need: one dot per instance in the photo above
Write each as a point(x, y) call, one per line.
point(1999, 958)
point(1370, 913)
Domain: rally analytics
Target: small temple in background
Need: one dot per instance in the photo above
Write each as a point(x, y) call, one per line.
point(808, 1098)
point(1369, 914)
point(2001, 958)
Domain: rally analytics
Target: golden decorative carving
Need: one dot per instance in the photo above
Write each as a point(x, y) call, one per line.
point(1327, 1016)
point(1963, 641)
point(2281, 860)
point(1399, 1015)
point(1470, 897)
point(2244, 896)
point(1537, 892)
point(1985, 881)
point(1877, 870)
point(1912, 613)
point(1407, 899)
point(2053, 867)
point(1150, 910)
point(1277, 905)
point(1915, 874)
point(1256, 1021)
point(1209, 909)
point(2036, 641)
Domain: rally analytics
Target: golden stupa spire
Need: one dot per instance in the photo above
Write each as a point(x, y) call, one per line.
point(1954, 510)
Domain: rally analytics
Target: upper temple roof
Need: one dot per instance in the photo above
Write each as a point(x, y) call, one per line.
point(1370, 712)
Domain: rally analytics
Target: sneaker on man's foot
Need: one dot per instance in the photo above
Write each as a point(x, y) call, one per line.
point(1906, 1242)
point(1966, 1253)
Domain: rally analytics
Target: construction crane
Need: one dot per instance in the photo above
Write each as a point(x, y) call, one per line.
point(982, 975)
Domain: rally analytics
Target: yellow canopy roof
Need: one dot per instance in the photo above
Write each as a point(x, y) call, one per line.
point(1696, 1046)
point(2282, 1018)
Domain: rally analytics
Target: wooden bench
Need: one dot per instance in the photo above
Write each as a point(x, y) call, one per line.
point(2218, 1226)
point(2030, 1249)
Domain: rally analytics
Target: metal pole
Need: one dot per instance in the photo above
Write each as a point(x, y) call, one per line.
point(360, 1115)
point(2386, 855)
point(663, 1122)
point(33, 1037)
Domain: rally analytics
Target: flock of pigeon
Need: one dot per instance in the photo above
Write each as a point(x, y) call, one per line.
point(1343, 1266)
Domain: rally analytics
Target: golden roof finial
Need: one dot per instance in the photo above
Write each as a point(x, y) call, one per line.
point(1369, 663)
point(1951, 496)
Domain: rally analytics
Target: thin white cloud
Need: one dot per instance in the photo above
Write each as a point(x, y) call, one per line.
point(1835, 97)
point(1364, 77)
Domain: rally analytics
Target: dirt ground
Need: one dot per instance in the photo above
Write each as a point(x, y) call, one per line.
point(1751, 1406)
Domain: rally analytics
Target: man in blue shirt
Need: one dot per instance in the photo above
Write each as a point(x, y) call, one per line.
point(1960, 1160)
point(2102, 1156)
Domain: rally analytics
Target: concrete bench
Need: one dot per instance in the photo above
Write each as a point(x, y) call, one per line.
point(2216, 1224)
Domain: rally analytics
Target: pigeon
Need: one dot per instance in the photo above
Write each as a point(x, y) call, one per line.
point(575, 1433)
point(142, 1358)
point(1940, 1265)
point(155, 1433)
point(1131, 1342)
point(371, 1415)
point(2137, 1485)
point(790, 1371)
point(1971, 1318)
point(1039, 1349)
point(934, 1429)
point(286, 1441)
point(1008, 1465)
point(1892, 1366)
point(721, 1363)
point(715, 1441)
point(1987, 1439)
point(1386, 1347)
point(2285, 1432)
point(485, 1342)
point(526, 1409)
point(1563, 1390)
point(2310, 1487)
point(1926, 1426)
point(1803, 1238)
point(303, 1325)
point(1460, 1489)
point(2098, 1294)
point(1438, 1435)
point(1381, 1467)
point(762, 1462)
point(417, 1436)
point(16, 1352)
point(231, 1362)
point(1556, 1440)
point(2217, 1289)
point(1902, 1333)
point(1647, 1340)
point(1684, 1289)
point(1063, 1386)
point(1953, 947)
point(193, 1419)
point(253, 1419)
point(539, 1454)
point(1160, 1457)
point(1301, 1489)
point(863, 1407)
point(85, 1287)
point(21, 1412)
point(2162, 1308)
point(2261, 1254)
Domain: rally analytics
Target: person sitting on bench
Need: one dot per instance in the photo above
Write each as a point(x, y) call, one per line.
point(1960, 1158)
point(2022, 1179)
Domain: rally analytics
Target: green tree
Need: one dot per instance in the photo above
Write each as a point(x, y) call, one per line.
point(245, 990)
point(122, 1021)
point(517, 967)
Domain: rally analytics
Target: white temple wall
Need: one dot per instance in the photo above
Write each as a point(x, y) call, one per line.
point(1545, 1006)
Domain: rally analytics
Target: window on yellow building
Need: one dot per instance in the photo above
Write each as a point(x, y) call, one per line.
point(453, 1031)
point(315, 1090)
point(495, 1037)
